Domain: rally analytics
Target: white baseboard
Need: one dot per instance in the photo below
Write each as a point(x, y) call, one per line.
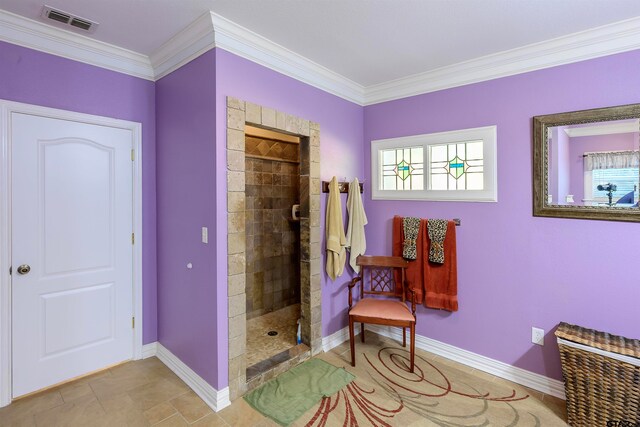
point(338, 337)
point(499, 369)
point(216, 399)
point(149, 350)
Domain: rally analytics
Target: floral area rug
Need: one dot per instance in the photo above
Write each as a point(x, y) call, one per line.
point(438, 393)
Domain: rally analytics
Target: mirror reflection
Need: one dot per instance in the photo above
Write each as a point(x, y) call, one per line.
point(594, 164)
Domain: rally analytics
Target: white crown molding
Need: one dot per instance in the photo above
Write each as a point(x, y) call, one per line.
point(36, 35)
point(601, 41)
point(211, 30)
point(216, 399)
point(187, 45)
point(499, 369)
point(602, 129)
point(249, 45)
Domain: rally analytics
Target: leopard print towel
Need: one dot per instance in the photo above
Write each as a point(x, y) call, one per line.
point(410, 226)
point(437, 232)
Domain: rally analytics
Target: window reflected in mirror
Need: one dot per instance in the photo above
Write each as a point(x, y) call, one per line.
point(594, 164)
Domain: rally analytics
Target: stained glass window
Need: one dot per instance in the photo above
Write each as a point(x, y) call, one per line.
point(403, 169)
point(457, 166)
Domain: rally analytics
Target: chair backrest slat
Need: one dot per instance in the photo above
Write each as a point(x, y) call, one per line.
point(386, 294)
point(382, 261)
point(380, 275)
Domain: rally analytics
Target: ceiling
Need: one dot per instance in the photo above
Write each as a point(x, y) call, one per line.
point(367, 41)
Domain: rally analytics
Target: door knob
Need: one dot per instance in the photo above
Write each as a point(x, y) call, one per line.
point(24, 269)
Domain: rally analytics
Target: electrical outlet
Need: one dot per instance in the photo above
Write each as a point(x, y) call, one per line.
point(537, 336)
point(205, 235)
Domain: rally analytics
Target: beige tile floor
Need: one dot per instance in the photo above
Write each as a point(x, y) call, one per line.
point(261, 346)
point(139, 393)
point(146, 392)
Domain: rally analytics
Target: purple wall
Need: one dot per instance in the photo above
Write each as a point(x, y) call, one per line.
point(341, 149)
point(516, 271)
point(187, 298)
point(38, 78)
point(583, 144)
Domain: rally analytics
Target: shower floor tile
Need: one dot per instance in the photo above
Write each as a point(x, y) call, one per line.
point(266, 365)
point(261, 346)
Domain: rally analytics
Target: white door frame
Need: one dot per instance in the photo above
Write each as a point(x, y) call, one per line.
point(6, 109)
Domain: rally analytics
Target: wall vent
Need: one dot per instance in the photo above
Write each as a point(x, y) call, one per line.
point(68, 19)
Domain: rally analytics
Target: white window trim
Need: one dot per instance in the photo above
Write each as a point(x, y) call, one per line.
point(487, 134)
point(588, 189)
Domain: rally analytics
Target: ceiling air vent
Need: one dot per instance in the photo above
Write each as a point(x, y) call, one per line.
point(59, 16)
point(70, 20)
point(81, 23)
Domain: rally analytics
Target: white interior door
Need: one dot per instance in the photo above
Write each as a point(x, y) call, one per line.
point(72, 223)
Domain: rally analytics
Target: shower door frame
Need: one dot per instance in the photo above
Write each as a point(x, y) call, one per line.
point(239, 114)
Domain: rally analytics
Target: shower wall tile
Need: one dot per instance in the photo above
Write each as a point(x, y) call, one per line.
point(272, 238)
point(268, 117)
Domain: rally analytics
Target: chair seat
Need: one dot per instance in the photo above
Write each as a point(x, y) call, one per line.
point(382, 309)
point(378, 274)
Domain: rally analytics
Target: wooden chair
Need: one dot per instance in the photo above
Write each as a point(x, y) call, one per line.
point(373, 310)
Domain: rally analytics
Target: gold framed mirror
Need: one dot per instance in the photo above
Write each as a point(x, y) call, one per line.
point(586, 164)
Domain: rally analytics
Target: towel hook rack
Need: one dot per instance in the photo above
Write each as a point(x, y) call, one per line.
point(342, 186)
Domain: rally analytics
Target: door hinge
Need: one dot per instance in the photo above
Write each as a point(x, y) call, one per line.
point(133, 323)
point(133, 155)
point(10, 271)
point(133, 238)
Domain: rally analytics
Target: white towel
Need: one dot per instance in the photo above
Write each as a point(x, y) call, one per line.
point(334, 228)
point(356, 240)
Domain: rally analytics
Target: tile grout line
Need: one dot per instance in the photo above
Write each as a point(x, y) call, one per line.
point(183, 418)
point(178, 410)
point(165, 418)
point(202, 417)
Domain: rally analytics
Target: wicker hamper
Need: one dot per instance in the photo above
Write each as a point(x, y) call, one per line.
point(602, 377)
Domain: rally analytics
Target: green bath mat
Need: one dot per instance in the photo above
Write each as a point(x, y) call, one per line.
point(291, 394)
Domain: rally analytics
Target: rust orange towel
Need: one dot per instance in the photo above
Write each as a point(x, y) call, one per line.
point(441, 280)
point(414, 272)
point(436, 285)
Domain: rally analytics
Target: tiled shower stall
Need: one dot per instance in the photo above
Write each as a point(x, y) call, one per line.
point(272, 173)
point(254, 355)
point(272, 176)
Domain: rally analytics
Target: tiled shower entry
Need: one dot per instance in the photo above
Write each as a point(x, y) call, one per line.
point(272, 187)
point(281, 305)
